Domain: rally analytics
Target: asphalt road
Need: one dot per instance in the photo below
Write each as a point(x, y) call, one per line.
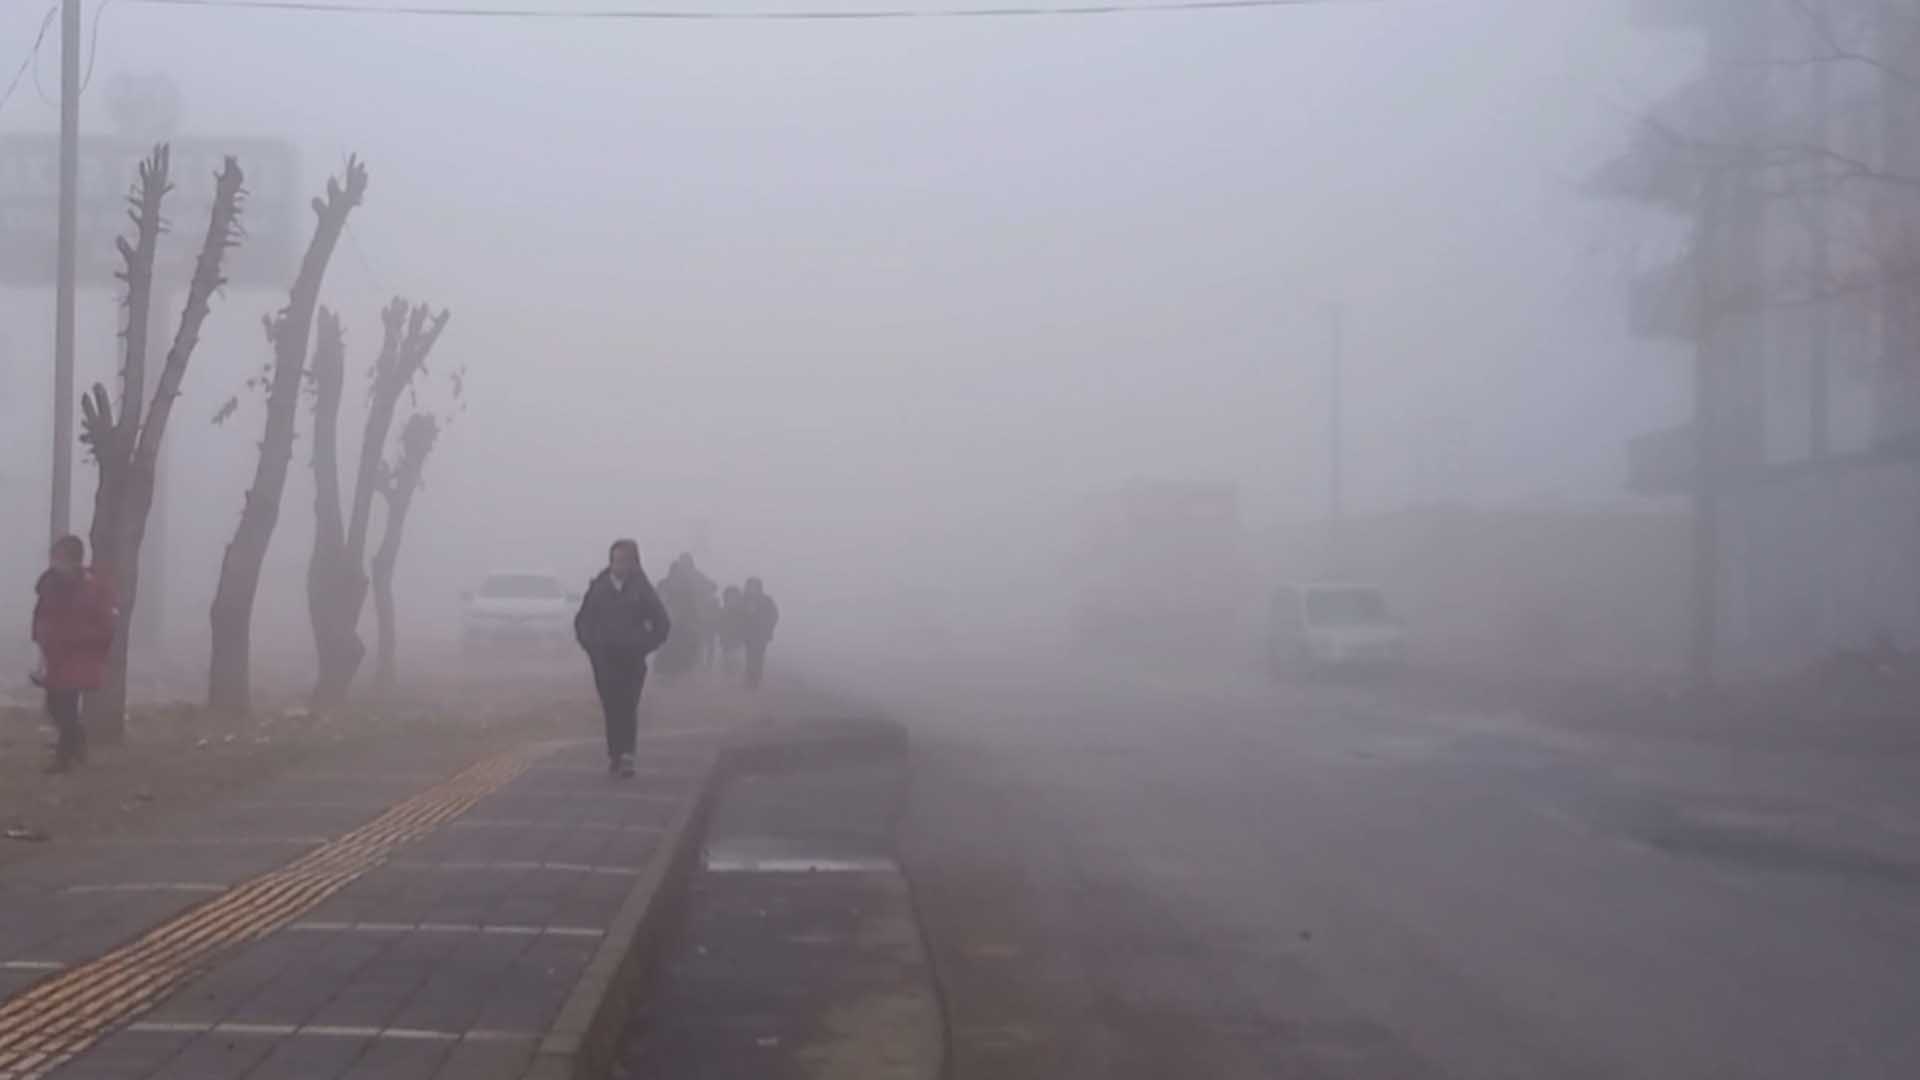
point(1131, 875)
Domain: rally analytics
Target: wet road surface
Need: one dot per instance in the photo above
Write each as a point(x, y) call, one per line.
point(1127, 875)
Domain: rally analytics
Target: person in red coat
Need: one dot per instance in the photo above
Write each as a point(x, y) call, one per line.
point(73, 623)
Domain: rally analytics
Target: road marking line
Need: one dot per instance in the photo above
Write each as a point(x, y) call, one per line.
point(419, 1034)
point(217, 841)
point(275, 1030)
point(148, 886)
point(526, 930)
point(859, 864)
point(46, 1025)
point(337, 1031)
point(529, 823)
point(496, 1035)
point(305, 804)
point(512, 867)
point(31, 965)
point(329, 1031)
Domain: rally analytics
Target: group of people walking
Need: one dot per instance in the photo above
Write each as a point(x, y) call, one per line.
point(687, 619)
point(725, 629)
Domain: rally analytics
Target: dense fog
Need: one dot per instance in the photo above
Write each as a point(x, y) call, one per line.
point(871, 308)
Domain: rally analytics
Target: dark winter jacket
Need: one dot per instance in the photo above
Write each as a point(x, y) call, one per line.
point(758, 616)
point(620, 624)
point(733, 622)
point(73, 623)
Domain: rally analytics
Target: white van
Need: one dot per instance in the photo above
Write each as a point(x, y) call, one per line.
point(1322, 627)
point(521, 606)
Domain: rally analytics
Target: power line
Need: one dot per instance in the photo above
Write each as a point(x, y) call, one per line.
point(339, 7)
point(93, 53)
point(93, 44)
point(32, 54)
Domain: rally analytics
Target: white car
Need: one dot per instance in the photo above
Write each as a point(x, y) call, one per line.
point(518, 606)
point(1323, 627)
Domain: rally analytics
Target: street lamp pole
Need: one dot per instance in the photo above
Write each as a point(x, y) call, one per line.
point(1336, 449)
point(61, 518)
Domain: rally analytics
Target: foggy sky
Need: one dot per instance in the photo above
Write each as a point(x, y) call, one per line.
point(874, 300)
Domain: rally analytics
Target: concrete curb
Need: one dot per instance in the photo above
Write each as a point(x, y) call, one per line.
point(814, 743)
point(584, 1039)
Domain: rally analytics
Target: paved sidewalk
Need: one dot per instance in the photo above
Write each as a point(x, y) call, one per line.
point(415, 917)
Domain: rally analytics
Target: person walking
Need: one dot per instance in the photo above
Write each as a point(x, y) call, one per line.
point(74, 620)
point(710, 631)
point(621, 622)
point(684, 591)
point(733, 632)
point(759, 615)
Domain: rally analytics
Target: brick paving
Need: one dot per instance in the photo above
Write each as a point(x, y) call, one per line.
point(449, 958)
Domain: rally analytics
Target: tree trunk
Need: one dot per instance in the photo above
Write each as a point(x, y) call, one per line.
point(336, 581)
point(113, 441)
point(229, 680)
point(127, 450)
point(106, 707)
point(416, 442)
point(385, 672)
point(332, 577)
point(409, 335)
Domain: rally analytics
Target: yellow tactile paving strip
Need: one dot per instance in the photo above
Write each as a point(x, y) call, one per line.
point(51, 1021)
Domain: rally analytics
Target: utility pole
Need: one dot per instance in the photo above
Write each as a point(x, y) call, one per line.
point(61, 518)
point(1336, 494)
point(1820, 316)
point(1896, 389)
point(1729, 405)
point(1705, 600)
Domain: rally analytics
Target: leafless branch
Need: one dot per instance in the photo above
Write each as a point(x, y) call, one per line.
point(1834, 51)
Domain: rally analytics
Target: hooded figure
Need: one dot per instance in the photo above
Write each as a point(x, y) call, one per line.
point(758, 616)
point(621, 622)
point(686, 592)
point(74, 620)
point(733, 628)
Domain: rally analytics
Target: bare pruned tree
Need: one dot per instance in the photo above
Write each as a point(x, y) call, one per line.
point(229, 678)
point(401, 480)
point(127, 449)
point(336, 579)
